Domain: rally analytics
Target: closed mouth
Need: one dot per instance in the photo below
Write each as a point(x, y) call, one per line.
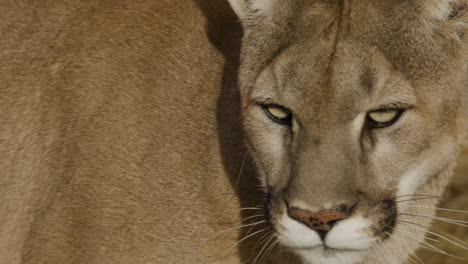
point(326, 249)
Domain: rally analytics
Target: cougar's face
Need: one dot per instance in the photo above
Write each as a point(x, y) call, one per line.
point(346, 141)
point(342, 149)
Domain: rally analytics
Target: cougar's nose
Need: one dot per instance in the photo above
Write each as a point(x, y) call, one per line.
point(321, 221)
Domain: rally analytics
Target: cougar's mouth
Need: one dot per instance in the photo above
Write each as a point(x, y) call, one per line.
point(369, 224)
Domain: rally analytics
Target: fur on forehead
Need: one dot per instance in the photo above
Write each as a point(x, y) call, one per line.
point(245, 8)
point(270, 26)
point(432, 9)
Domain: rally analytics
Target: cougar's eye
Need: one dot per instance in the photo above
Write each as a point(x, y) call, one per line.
point(384, 117)
point(278, 113)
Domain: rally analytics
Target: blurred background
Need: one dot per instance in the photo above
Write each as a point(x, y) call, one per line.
point(457, 198)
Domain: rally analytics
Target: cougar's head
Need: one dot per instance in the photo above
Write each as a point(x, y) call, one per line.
point(353, 112)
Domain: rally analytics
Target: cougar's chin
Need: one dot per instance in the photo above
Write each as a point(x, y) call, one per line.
point(347, 243)
point(325, 256)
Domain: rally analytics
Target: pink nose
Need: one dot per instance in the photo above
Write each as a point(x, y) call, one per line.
point(321, 221)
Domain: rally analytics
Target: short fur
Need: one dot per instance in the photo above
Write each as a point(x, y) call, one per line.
point(111, 147)
point(122, 127)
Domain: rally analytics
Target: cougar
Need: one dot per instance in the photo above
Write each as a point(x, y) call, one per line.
point(196, 131)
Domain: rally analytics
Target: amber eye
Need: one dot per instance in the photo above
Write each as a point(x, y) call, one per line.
point(384, 117)
point(278, 113)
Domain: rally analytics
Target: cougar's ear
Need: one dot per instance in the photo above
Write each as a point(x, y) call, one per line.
point(452, 13)
point(459, 16)
point(247, 8)
point(436, 9)
point(442, 9)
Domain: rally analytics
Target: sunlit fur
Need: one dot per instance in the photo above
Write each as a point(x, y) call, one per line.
point(111, 151)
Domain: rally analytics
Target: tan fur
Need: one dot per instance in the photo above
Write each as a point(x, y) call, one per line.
point(109, 131)
point(121, 135)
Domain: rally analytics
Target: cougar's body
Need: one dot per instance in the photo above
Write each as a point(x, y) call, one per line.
point(109, 132)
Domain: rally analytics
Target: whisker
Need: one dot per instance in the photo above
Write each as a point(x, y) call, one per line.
point(418, 260)
point(430, 247)
point(412, 260)
point(455, 238)
point(408, 222)
point(439, 217)
point(260, 194)
point(241, 169)
point(262, 239)
point(234, 228)
point(272, 246)
point(420, 243)
point(436, 217)
point(417, 199)
point(247, 218)
point(263, 248)
point(253, 216)
point(253, 208)
point(422, 195)
point(250, 229)
point(438, 250)
point(425, 237)
point(243, 239)
point(438, 209)
point(443, 219)
point(382, 253)
point(437, 235)
point(431, 239)
point(241, 209)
